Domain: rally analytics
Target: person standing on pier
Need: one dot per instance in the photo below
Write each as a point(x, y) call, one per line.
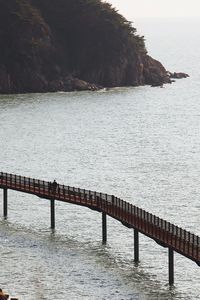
point(54, 185)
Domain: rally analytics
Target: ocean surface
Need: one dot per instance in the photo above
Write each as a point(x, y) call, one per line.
point(141, 144)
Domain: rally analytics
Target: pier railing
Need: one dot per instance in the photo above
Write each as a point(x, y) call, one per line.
point(164, 232)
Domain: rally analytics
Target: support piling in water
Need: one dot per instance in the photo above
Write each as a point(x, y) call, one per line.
point(5, 202)
point(104, 228)
point(171, 266)
point(52, 214)
point(136, 246)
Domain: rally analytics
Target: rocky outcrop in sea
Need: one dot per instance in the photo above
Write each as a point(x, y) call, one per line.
point(67, 45)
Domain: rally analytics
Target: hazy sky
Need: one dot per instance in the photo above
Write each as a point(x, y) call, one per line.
point(157, 8)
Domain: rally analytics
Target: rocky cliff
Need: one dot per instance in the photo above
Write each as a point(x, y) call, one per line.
point(65, 45)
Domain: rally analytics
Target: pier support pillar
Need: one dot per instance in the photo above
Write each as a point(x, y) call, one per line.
point(136, 245)
point(104, 228)
point(5, 202)
point(52, 214)
point(171, 266)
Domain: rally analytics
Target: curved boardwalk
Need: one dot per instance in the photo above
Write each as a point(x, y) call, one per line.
point(164, 233)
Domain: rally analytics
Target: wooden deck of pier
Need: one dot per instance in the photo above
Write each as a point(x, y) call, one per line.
point(164, 233)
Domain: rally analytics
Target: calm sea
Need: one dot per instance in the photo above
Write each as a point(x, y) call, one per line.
point(141, 144)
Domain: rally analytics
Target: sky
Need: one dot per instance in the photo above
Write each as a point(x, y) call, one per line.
point(157, 8)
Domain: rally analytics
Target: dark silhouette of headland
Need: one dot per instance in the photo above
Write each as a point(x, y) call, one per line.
point(66, 45)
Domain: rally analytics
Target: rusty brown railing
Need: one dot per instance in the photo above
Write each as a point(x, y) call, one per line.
point(163, 232)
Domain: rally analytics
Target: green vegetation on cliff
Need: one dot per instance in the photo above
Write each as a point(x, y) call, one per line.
point(47, 44)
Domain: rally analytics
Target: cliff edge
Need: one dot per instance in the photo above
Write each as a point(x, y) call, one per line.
point(66, 45)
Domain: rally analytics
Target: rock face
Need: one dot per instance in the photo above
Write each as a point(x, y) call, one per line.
point(154, 72)
point(178, 75)
point(66, 45)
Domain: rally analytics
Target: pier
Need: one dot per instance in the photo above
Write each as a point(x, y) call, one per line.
point(161, 231)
